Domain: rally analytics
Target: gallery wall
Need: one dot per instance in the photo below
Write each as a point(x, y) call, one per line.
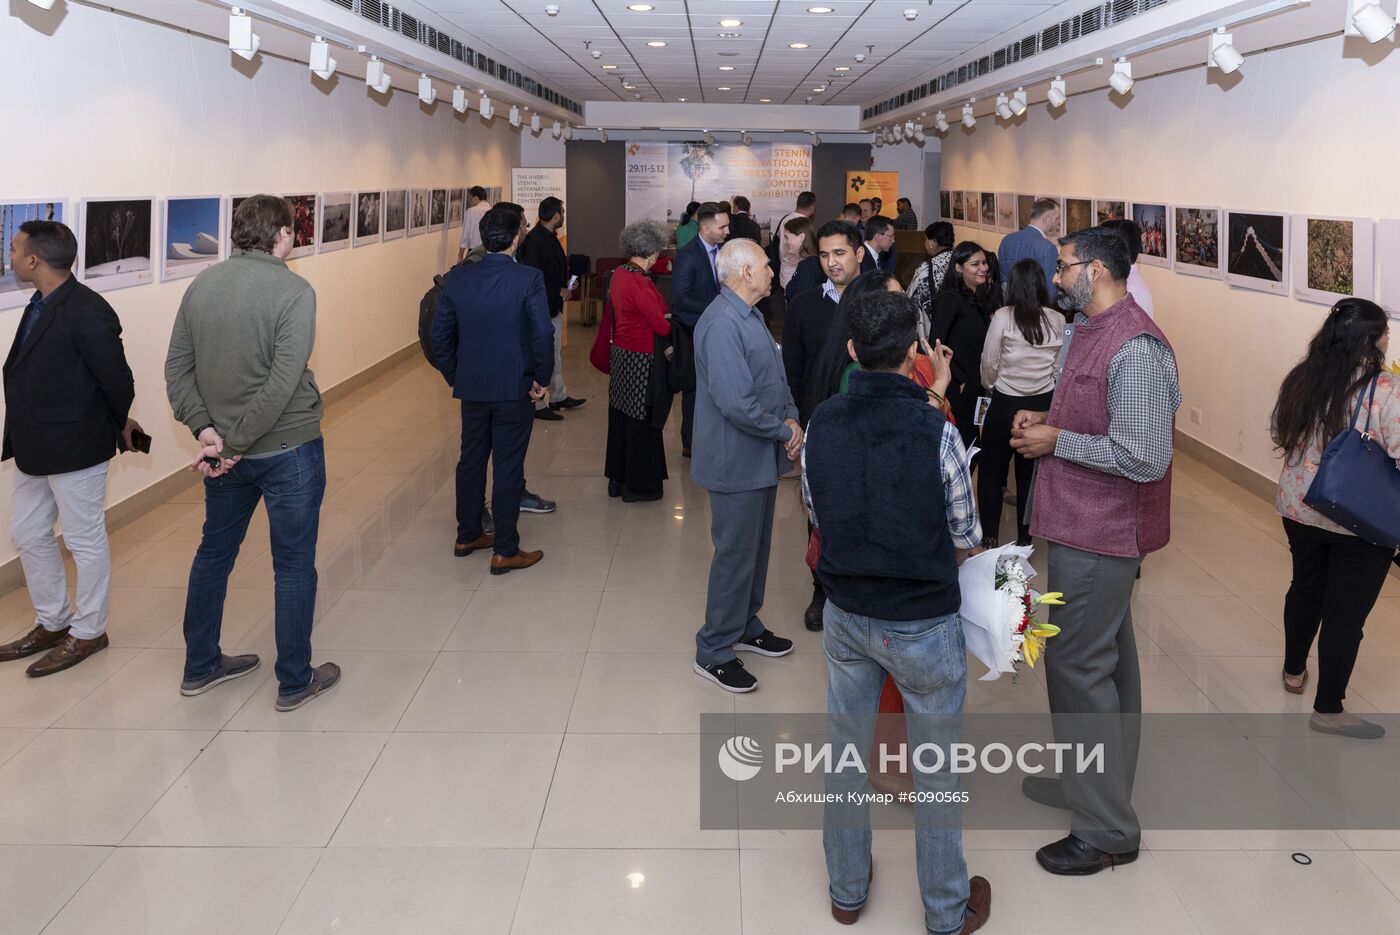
point(1295, 131)
point(112, 106)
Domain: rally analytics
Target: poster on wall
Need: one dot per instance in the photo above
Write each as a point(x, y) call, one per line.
point(959, 213)
point(972, 206)
point(1006, 212)
point(395, 213)
point(1079, 215)
point(870, 185)
point(114, 245)
point(190, 242)
point(369, 217)
point(417, 211)
point(437, 209)
point(14, 293)
point(662, 178)
point(1256, 255)
point(1195, 240)
point(1109, 210)
point(336, 211)
point(528, 187)
point(1024, 204)
point(989, 210)
point(1151, 219)
point(1388, 262)
point(456, 198)
point(1333, 258)
point(945, 206)
point(303, 225)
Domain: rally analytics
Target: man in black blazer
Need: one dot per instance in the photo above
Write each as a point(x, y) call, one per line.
point(742, 223)
point(879, 245)
point(542, 250)
point(495, 346)
point(68, 390)
point(694, 285)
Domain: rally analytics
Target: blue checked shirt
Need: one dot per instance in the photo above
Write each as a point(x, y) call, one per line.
point(958, 499)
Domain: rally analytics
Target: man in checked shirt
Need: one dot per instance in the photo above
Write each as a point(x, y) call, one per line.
point(1102, 497)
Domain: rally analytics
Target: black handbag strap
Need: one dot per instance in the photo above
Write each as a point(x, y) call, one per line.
point(1360, 399)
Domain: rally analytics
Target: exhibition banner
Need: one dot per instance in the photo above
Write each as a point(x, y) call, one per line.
point(528, 187)
point(882, 185)
point(662, 178)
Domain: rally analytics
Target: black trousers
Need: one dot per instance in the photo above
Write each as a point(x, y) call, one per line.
point(687, 416)
point(997, 457)
point(499, 433)
point(963, 402)
point(636, 454)
point(1336, 580)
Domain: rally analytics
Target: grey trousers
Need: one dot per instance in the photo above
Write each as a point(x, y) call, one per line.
point(1095, 687)
point(741, 527)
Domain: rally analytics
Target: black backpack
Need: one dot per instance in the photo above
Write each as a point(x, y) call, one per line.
point(427, 308)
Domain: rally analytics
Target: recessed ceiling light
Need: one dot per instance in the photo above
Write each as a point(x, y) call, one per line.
point(681, 99)
point(731, 23)
point(837, 68)
point(609, 67)
point(726, 68)
point(730, 35)
point(657, 44)
point(819, 9)
point(797, 45)
point(765, 100)
point(819, 90)
point(640, 7)
point(725, 88)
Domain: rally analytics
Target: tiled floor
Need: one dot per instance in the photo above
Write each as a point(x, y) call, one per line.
point(506, 754)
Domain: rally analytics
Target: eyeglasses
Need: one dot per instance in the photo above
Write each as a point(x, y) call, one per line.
point(1063, 267)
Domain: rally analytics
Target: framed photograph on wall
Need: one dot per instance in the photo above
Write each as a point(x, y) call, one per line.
point(1256, 251)
point(336, 211)
point(456, 200)
point(1109, 210)
point(233, 202)
point(1079, 215)
point(369, 217)
point(1195, 241)
point(14, 293)
point(1333, 258)
point(191, 236)
point(303, 225)
point(1024, 203)
point(972, 205)
point(1006, 212)
point(115, 242)
point(395, 213)
point(417, 211)
point(989, 211)
point(1388, 267)
point(945, 206)
point(1151, 219)
point(959, 212)
point(437, 209)
point(1060, 231)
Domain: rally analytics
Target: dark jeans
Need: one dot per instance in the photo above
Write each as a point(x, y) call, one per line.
point(963, 402)
point(291, 485)
point(1336, 580)
point(997, 456)
point(499, 433)
point(687, 416)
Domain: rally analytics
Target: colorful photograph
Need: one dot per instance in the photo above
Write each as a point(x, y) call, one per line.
point(369, 217)
point(1079, 215)
point(303, 224)
point(116, 242)
point(14, 293)
point(1152, 221)
point(395, 213)
point(1196, 238)
point(191, 236)
point(1331, 262)
point(1334, 258)
point(1024, 203)
point(1257, 257)
point(335, 220)
point(1110, 211)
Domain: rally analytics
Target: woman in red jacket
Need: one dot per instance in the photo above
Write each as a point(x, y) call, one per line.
point(635, 463)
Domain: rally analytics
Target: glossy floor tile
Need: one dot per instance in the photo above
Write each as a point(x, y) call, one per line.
point(519, 754)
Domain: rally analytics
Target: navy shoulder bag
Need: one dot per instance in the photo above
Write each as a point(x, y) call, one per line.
point(1357, 484)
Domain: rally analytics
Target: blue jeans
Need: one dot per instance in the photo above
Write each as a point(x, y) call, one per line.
point(292, 484)
point(926, 659)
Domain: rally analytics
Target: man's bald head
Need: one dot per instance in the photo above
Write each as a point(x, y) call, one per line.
point(743, 267)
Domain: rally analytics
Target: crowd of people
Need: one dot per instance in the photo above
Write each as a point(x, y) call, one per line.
point(907, 413)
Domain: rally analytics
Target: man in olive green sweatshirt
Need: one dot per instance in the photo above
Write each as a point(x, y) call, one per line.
point(236, 375)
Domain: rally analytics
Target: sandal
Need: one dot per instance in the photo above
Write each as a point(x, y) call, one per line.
point(1293, 684)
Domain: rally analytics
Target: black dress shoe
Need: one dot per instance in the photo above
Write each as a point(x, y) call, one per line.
point(812, 617)
point(568, 402)
point(1071, 857)
point(548, 415)
point(1049, 792)
point(631, 496)
point(614, 489)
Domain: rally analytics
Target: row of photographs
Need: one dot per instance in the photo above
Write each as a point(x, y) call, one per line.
point(1321, 258)
point(118, 245)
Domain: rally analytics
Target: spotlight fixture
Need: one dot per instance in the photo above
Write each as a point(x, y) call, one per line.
point(459, 100)
point(486, 109)
point(557, 130)
point(1223, 54)
point(909, 128)
point(602, 135)
point(911, 14)
point(597, 55)
point(514, 115)
point(919, 136)
point(1019, 102)
point(1366, 18)
point(551, 10)
point(816, 140)
point(1121, 80)
point(940, 122)
point(797, 45)
point(321, 63)
point(242, 41)
point(426, 92)
point(731, 23)
point(1058, 93)
point(657, 44)
point(878, 142)
point(535, 124)
point(709, 138)
point(1003, 107)
point(895, 133)
point(568, 131)
point(638, 95)
point(860, 57)
point(745, 138)
point(969, 119)
point(376, 78)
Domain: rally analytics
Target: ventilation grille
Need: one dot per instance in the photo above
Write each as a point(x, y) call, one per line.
point(1090, 21)
point(402, 23)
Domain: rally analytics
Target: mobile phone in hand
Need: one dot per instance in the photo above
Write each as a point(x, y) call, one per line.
point(212, 461)
point(141, 442)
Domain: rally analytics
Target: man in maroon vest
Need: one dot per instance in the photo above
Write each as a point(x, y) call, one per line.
point(1102, 497)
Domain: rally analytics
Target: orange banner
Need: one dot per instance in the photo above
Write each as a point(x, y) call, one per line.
point(882, 185)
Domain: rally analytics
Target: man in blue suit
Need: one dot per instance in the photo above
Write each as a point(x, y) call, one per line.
point(1035, 241)
point(495, 345)
point(879, 245)
point(694, 285)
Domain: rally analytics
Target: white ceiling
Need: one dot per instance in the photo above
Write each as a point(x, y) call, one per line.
point(763, 64)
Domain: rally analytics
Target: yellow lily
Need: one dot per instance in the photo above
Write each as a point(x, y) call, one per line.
point(1035, 641)
point(1394, 367)
point(1052, 598)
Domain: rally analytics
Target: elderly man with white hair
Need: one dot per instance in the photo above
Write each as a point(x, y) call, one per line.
point(745, 425)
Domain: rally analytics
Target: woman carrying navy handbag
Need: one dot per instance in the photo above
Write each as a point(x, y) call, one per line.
point(1339, 387)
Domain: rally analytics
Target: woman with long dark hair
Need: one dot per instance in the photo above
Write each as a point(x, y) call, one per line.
point(689, 225)
point(1336, 575)
point(959, 323)
point(1018, 363)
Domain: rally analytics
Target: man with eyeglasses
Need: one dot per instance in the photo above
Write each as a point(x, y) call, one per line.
point(1102, 497)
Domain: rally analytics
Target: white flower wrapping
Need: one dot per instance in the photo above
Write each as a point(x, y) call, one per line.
point(991, 616)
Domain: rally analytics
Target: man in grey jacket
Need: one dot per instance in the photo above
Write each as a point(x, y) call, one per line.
point(236, 375)
point(745, 423)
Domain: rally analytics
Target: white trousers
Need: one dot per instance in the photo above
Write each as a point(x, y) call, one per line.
point(556, 385)
point(77, 499)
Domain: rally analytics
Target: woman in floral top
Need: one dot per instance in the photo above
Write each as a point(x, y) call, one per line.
point(1336, 575)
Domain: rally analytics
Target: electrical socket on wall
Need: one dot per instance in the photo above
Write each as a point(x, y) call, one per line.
point(1195, 416)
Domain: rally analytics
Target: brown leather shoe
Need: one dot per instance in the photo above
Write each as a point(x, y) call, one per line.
point(35, 641)
point(500, 564)
point(851, 916)
point(66, 655)
point(979, 904)
point(484, 542)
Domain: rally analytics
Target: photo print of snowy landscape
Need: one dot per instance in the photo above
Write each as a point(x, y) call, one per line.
point(115, 243)
point(191, 241)
point(14, 293)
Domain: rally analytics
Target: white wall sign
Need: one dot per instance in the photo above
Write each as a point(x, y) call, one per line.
point(662, 178)
point(529, 187)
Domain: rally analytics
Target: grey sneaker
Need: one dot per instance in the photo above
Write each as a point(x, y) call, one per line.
point(534, 503)
point(323, 678)
point(229, 667)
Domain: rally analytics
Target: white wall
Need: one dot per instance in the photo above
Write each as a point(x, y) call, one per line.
point(110, 105)
point(1301, 129)
point(914, 164)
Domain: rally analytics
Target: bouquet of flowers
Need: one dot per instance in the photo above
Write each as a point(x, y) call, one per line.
point(998, 611)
